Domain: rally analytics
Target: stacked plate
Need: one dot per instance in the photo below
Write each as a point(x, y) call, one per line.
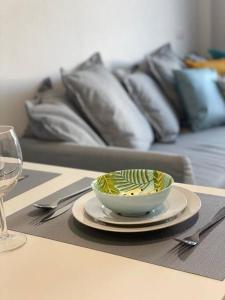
point(180, 206)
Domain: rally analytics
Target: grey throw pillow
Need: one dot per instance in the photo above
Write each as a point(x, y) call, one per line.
point(152, 102)
point(161, 65)
point(94, 59)
point(52, 119)
point(106, 105)
point(194, 56)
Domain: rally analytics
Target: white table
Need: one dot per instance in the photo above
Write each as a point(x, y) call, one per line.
point(45, 269)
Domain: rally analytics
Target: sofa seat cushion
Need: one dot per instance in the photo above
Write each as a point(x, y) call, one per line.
point(206, 149)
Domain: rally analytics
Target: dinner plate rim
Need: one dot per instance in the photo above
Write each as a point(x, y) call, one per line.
point(191, 210)
point(145, 221)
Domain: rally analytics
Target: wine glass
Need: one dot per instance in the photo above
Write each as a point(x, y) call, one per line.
point(11, 162)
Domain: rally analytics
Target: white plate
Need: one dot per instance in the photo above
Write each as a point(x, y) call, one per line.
point(175, 204)
point(193, 206)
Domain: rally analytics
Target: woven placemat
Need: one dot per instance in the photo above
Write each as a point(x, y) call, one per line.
point(207, 259)
point(32, 179)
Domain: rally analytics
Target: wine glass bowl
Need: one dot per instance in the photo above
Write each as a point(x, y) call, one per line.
point(11, 163)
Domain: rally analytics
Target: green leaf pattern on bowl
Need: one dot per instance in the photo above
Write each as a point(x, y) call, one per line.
point(133, 182)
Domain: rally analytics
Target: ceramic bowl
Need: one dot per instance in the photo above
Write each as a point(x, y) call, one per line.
point(132, 192)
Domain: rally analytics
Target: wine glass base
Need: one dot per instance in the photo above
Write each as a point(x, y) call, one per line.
point(12, 241)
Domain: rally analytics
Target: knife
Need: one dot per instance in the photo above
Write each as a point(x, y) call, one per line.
point(56, 213)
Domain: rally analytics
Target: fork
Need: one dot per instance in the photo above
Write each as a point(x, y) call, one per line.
point(194, 239)
point(51, 215)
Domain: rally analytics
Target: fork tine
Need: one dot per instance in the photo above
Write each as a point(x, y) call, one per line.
point(185, 249)
point(38, 222)
point(177, 248)
point(39, 219)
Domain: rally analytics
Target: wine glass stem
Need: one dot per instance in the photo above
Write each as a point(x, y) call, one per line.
point(3, 226)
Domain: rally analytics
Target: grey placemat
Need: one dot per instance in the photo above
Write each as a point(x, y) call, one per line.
point(207, 259)
point(33, 179)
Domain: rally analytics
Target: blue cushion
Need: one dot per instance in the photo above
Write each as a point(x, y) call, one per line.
point(216, 54)
point(201, 97)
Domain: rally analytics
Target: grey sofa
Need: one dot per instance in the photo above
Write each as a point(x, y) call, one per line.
point(105, 159)
point(206, 150)
point(195, 158)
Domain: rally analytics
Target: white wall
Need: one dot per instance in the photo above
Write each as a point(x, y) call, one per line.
point(218, 24)
point(39, 36)
point(211, 24)
point(204, 25)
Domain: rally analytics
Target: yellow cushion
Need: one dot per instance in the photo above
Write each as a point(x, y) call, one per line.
point(216, 64)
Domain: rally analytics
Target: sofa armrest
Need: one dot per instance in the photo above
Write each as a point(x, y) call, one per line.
point(105, 159)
